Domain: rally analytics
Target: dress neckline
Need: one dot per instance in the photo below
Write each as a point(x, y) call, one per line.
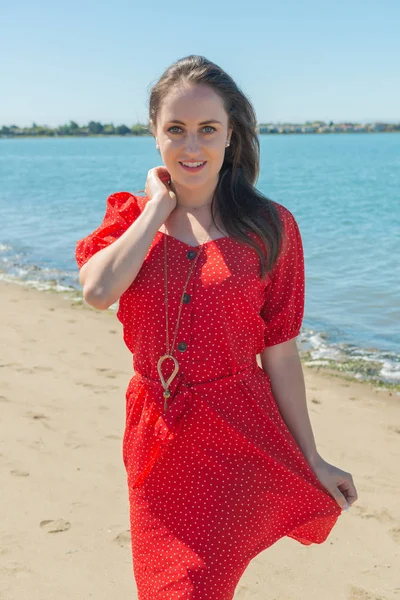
point(162, 233)
point(224, 237)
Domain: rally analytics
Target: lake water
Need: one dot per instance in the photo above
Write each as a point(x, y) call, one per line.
point(344, 191)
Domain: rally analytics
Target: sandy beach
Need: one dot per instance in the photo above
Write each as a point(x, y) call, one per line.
point(64, 532)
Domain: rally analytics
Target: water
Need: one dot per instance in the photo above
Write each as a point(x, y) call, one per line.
point(342, 189)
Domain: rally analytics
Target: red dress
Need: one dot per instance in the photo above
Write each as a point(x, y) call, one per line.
point(218, 477)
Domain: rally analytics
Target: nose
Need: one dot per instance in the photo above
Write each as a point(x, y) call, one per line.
point(192, 144)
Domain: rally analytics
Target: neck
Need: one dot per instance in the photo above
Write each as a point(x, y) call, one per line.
point(188, 198)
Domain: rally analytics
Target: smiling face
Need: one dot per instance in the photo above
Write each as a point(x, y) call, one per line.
point(192, 126)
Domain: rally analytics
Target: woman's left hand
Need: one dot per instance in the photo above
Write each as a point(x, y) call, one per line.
point(338, 483)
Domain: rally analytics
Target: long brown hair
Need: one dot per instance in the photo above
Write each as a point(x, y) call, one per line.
point(240, 206)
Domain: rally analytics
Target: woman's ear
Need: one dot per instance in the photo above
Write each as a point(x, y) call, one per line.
point(154, 134)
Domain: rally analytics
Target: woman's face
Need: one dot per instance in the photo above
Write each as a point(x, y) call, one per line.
point(200, 135)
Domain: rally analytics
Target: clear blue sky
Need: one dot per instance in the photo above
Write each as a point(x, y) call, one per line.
point(295, 60)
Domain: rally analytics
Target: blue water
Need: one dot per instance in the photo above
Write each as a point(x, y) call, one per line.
point(342, 189)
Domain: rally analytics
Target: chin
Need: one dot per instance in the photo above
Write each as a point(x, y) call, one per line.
point(191, 184)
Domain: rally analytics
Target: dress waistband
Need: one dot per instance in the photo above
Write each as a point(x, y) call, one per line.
point(180, 379)
point(167, 425)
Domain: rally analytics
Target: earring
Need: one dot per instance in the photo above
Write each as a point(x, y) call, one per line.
point(227, 144)
point(157, 147)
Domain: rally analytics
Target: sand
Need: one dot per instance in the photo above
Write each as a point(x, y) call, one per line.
point(64, 532)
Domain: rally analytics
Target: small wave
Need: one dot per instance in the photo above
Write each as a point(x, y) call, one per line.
point(365, 364)
point(374, 365)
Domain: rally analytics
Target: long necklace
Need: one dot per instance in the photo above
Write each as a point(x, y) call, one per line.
point(169, 353)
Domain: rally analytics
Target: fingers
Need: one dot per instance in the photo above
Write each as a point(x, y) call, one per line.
point(162, 174)
point(158, 181)
point(351, 495)
point(340, 499)
point(160, 171)
point(347, 491)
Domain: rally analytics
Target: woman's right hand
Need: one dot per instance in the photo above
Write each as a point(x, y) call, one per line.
point(157, 185)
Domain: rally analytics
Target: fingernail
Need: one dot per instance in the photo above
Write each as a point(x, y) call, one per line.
point(346, 506)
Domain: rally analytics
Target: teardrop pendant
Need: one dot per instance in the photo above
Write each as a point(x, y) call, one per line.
point(166, 384)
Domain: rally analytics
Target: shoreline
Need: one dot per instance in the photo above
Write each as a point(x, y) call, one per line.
point(342, 364)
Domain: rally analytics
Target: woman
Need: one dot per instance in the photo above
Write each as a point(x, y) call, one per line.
point(219, 452)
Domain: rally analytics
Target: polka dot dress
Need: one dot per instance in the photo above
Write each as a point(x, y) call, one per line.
point(218, 477)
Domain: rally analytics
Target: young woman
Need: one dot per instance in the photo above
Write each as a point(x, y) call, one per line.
point(219, 452)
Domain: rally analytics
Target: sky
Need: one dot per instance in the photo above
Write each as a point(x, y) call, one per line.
point(296, 60)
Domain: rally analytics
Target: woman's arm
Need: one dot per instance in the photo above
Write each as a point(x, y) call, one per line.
point(111, 256)
point(111, 271)
point(282, 364)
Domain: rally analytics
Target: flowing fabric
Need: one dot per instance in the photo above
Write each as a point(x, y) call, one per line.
point(217, 477)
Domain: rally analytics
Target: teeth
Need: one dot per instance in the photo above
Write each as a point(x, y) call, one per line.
point(197, 164)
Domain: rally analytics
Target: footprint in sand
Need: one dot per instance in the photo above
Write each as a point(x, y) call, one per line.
point(33, 370)
point(39, 417)
point(106, 390)
point(55, 526)
point(395, 533)
point(14, 569)
point(393, 428)
point(97, 389)
point(110, 373)
point(34, 415)
point(18, 473)
point(357, 593)
point(382, 516)
point(72, 440)
point(124, 538)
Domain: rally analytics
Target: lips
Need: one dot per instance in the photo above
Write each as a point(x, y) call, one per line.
point(193, 169)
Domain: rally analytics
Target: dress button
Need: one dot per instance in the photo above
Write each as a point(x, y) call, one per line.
point(182, 346)
point(186, 298)
point(191, 254)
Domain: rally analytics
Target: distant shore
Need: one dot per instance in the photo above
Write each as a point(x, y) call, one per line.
point(97, 129)
point(127, 135)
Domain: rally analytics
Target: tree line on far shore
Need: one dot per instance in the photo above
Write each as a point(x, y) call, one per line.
point(72, 128)
point(94, 128)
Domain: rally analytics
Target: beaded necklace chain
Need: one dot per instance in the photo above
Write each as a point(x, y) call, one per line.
point(169, 353)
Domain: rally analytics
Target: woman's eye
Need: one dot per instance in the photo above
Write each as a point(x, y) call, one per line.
point(206, 127)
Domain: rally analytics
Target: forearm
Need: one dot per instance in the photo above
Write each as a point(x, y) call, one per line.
point(288, 388)
point(112, 270)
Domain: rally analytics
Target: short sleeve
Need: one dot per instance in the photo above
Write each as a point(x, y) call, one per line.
point(122, 208)
point(283, 309)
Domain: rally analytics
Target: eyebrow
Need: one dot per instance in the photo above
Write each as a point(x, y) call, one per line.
point(202, 123)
